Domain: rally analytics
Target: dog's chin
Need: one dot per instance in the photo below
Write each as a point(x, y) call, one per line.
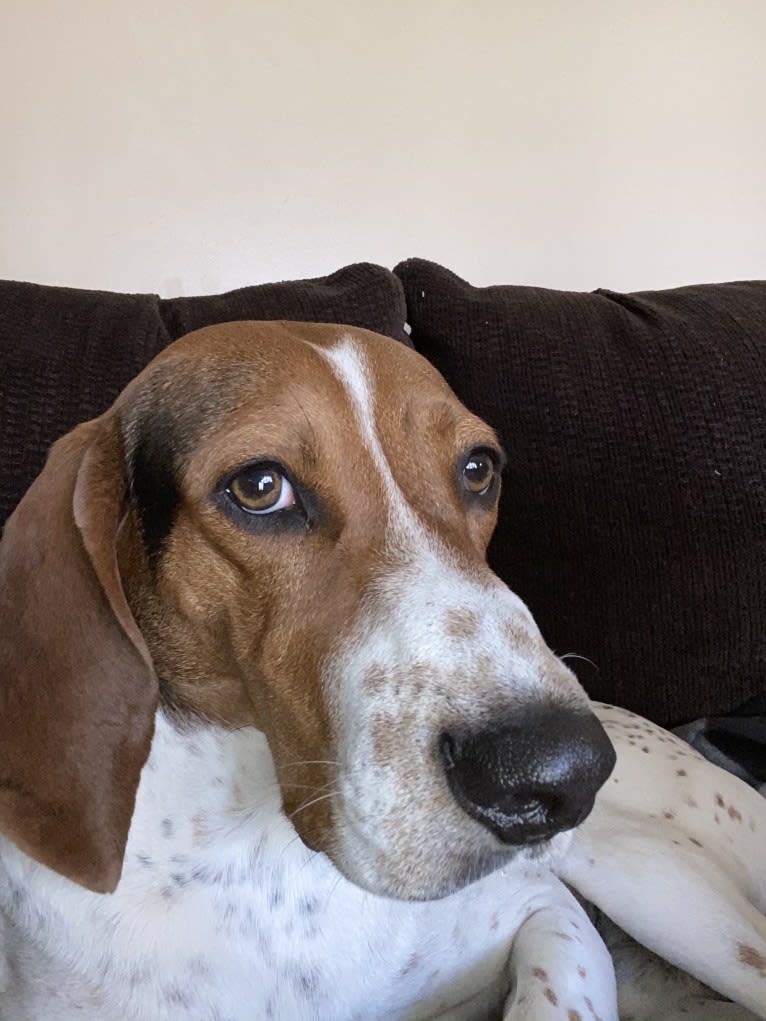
point(437, 872)
point(464, 872)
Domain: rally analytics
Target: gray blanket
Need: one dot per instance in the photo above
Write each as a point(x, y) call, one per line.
point(736, 742)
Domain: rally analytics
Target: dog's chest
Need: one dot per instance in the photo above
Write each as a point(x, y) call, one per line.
point(223, 915)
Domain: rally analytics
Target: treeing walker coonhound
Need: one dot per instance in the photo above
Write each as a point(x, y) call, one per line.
point(276, 743)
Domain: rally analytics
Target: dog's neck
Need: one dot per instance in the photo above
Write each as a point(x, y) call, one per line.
point(195, 804)
point(221, 907)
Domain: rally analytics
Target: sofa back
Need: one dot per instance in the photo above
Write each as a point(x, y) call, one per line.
point(633, 513)
point(65, 353)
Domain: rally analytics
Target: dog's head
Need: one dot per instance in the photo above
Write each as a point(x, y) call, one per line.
point(284, 526)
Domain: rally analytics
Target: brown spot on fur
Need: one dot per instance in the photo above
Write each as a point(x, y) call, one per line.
point(581, 972)
point(375, 678)
point(383, 731)
point(752, 958)
point(540, 973)
point(411, 965)
point(462, 624)
point(564, 936)
point(199, 828)
point(574, 1015)
point(734, 814)
point(681, 772)
point(669, 815)
point(485, 665)
point(521, 642)
point(696, 842)
point(551, 996)
point(719, 801)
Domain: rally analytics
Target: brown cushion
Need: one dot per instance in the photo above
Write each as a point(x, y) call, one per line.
point(65, 354)
point(633, 515)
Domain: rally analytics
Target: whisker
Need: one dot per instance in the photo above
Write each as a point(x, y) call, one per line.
point(335, 886)
point(303, 786)
point(308, 762)
point(289, 844)
point(314, 801)
point(575, 655)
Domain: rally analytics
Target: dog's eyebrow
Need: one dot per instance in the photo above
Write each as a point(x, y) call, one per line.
point(154, 479)
point(308, 445)
point(171, 412)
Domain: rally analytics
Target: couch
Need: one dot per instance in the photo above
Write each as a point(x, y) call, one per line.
point(633, 514)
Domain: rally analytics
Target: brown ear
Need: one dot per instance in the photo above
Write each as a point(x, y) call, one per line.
point(77, 689)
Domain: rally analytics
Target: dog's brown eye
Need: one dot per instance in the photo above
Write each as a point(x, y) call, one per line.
point(261, 490)
point(479, 472)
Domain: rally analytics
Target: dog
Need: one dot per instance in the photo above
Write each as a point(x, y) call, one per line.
point(276, 743)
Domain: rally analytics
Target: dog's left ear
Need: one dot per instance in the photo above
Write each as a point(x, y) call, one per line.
point(77, 688)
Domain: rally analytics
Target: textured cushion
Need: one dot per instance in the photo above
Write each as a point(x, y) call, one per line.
point(633, 515)
point(65, 354)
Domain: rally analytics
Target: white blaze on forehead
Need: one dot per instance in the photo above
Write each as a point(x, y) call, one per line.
point(402, 673)
point(350, 367)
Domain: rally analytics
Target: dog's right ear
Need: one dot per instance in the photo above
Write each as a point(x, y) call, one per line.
point(77, 688)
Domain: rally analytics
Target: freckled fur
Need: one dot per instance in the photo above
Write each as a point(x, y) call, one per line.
point(295, 670)
point(658, 830)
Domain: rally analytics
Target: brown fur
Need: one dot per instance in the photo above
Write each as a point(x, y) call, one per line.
point(237, 624)
point(78, 693)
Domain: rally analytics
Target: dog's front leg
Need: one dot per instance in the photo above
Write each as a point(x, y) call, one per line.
point(560, 968)
point(691, 905)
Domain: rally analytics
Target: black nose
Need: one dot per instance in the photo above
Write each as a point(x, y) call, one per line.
point(531, 780)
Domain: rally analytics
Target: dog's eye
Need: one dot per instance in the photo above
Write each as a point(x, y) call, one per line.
point(479, 472)
point(261, 489)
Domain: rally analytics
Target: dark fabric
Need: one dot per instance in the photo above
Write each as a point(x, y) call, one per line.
point(65, 354)
point(736, 742)
point(361, 295)
point(633, 514)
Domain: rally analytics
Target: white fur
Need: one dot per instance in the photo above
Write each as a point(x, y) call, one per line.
point(411, 678)
point(675, 853)
point(349, 365)
point(393, 810)
point(222, 914)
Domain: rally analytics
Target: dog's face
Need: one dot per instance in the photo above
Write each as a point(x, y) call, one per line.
point(306, 511)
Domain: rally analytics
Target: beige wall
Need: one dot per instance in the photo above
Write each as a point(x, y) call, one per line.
point(189, 146)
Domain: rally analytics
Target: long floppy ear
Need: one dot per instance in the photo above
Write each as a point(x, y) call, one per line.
point(77, 688)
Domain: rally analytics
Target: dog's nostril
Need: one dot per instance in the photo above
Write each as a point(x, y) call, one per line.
point(531, 780)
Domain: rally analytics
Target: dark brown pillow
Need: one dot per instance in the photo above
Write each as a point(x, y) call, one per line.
point(65, 354)
point(633, 516)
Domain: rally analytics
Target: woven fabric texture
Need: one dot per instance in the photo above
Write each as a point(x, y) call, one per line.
point(633, 513)
point(65, 354)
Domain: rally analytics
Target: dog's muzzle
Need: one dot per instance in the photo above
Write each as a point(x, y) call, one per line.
point(531, 780)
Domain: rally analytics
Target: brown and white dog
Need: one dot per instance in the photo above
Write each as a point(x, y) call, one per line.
point(275, 741)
